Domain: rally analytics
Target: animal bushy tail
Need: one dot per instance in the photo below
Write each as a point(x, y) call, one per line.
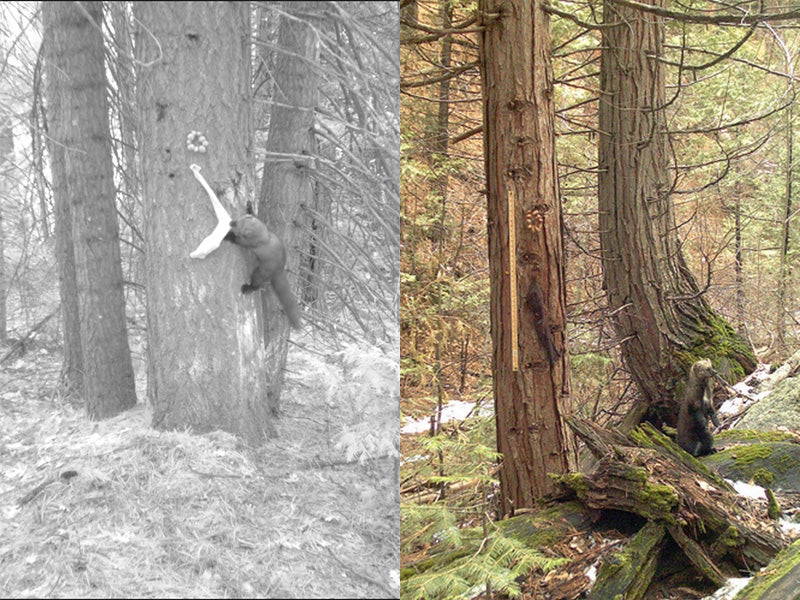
point(284, 292)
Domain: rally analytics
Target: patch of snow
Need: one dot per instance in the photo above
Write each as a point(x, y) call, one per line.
point(394, 578)
point(591, 573)
point(789, 527)
point(415, 458)
point(747, 490)
point(760, 374)
point(728, 591)
point(457, 410)
point(9, 511)
point(732, 406)
point(416, 426)
point(746, 387)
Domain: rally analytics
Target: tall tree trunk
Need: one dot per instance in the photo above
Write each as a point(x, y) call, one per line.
point(6, 157)
point(661, 317)
point(440, 186)
point(287, 184)
point(738, 264)
point(82, 130)
point(531, 367)
point(786, 267)
point(72, 364)
point(206, 359)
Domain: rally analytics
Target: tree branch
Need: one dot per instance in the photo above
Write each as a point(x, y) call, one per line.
point(744, 19)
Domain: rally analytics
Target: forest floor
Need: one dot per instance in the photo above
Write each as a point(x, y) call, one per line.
point(117, 509)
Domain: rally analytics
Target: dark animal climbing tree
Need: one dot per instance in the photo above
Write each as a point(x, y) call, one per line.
point(530, 366)
point(205, 351)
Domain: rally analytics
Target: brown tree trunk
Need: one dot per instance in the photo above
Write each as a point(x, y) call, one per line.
point(205, 353)
point(785, 276)
point(661, 317)
point(287, 183)
point(531, 370)
point(738, 264)
point(81, 129)
point(440, 185)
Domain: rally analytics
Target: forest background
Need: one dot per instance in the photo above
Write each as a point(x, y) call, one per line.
point(730, 116)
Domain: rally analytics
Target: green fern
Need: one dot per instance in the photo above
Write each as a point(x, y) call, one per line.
point(473, 562)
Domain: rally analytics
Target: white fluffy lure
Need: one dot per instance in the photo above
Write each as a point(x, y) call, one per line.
point(213, 241)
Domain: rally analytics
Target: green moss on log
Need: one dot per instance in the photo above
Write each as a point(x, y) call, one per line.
point(576, 482)
point(774, 511)
point(784, 463)
point(769, 580)
point(627, 574)
point(661, 500)
point(730, 538)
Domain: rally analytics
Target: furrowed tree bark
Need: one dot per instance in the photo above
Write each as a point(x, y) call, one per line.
point(6, 157)
point(72, 364)
point(530, 366)
point(205, 350)
point(287, 185)
point(80, 128)
point(660, 315)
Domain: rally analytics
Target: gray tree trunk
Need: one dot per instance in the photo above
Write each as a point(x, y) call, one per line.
point(287, 183)
point(80, 127)
point(206, 358)
point(72, 365)
point(6, 156)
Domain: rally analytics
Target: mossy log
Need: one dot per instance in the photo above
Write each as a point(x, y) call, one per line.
point(781, 581)
point(648, 475)
point(628, 573)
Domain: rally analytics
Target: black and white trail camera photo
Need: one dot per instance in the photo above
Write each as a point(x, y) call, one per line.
point(199, 299)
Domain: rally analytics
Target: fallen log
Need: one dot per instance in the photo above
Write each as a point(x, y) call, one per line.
point(629, 574)
point(20, 343)
point(780, 581)
point(647, 474)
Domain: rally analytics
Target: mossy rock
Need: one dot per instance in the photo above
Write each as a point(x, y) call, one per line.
point(730, 437)
point(775, 465)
